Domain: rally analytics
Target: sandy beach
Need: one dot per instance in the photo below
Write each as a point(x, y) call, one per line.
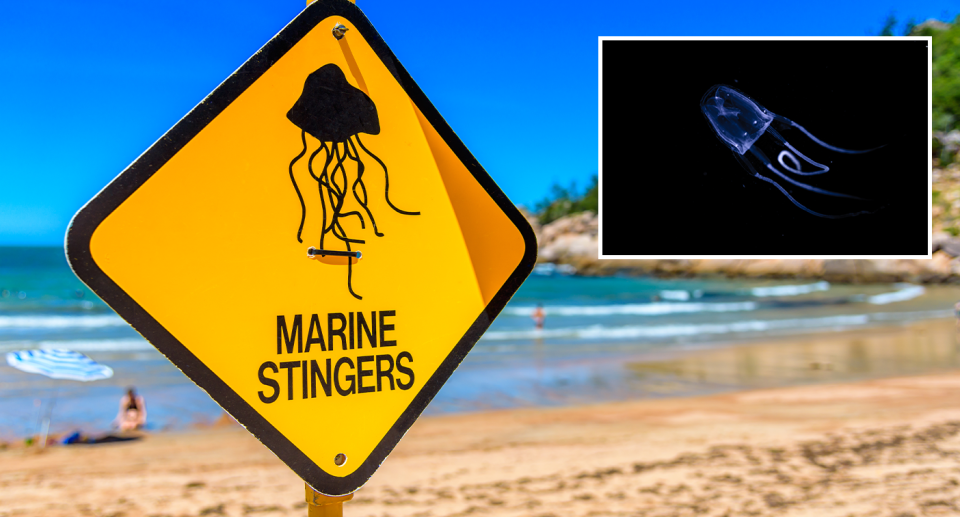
point(887, 446)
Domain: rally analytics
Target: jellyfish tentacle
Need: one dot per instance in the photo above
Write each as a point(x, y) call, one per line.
point(321, 182)
point(766, 161)
point(333, 174)
point(805, 209)
point(796, 169)
point(310, 162)
point(356, 213)
point(810, 187)
point(342, 235)
point(338, 197)
point(350, 276)
point(743, 161)
point(328, 179)
point(323, 207)
point(326, 166)
point(341, 165)
point(359, 181)
point(386, 175)
point(329, 175)
point(303, 206)
point(791, 123)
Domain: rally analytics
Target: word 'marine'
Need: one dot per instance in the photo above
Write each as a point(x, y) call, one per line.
point(350, 329)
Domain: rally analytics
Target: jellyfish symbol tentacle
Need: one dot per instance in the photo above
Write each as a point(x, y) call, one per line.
point(743, 125)
point(321, 182)
point(355, 156)
point(335, 112)
point(386, 176)
point(303, 206)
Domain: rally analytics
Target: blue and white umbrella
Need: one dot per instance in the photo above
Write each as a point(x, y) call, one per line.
point(59, 364)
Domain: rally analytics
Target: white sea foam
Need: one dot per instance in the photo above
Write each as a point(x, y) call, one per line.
point(789, 290)
point(667, 331)
point(675, 295)
point(102, 345)
point(60, 322)
point(912, 316)
point(641, 309)
point(904, 293)
point(81, 345)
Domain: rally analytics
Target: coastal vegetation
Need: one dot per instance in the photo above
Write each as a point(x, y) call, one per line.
point(946, 69)
point(563, 201)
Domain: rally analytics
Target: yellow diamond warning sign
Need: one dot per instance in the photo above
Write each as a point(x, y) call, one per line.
point(312, 245)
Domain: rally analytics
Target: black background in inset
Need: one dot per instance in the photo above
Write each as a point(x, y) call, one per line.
point(671, 187)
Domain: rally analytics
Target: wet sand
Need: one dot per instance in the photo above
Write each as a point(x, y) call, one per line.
point(888, 446)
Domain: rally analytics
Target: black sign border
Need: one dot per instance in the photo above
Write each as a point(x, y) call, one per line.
point(85, 222)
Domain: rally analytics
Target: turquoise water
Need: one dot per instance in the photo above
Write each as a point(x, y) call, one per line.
point(594, 327)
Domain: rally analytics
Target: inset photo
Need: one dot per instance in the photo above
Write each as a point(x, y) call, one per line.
point(765, 147)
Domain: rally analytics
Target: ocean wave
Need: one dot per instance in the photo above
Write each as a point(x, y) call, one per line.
point(642, 309)
point(79, 345)
point(678, 295)
point(668, 331)
point(913, 316)
point(60, 322)
point(789, 290)
point(904, 293)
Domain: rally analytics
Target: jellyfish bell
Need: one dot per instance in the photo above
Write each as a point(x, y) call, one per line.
point(750, 131)
point(737, 119)
point(331, 109)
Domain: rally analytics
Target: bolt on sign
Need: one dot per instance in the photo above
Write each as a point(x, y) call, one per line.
point(312, 245)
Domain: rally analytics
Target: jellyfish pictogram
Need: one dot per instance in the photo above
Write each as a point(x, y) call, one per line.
point(744, 126)
point(335, 113)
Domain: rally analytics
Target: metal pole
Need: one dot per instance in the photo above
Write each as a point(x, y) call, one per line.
point(319, 505)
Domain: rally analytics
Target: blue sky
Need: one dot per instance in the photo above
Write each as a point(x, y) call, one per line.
point(86, 87)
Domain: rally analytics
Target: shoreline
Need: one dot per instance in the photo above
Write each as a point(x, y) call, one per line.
point(533, 380)
point(883, 445)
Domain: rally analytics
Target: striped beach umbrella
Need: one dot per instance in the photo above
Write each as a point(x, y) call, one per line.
point(59, 364)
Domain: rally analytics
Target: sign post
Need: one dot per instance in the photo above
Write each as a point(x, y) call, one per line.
point(313, 246)
point(319, 505)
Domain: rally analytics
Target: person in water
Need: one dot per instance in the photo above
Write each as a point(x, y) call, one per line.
point(538, 317)
point(133, 412)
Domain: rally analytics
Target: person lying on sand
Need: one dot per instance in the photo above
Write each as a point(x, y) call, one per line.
point(78, 437)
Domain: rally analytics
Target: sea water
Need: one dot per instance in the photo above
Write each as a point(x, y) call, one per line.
point(598, 335)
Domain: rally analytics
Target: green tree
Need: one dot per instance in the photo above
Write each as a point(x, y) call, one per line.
point(563, 201)
point(889, 25)
point(946, 75)
point(946, 68)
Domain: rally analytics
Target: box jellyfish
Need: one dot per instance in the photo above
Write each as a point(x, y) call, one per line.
point(335, 113)
point(750, 131)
